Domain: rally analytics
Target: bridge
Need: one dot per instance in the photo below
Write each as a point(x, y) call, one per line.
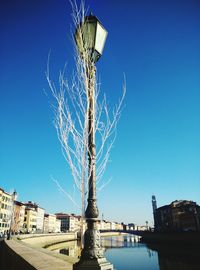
point(135, 232)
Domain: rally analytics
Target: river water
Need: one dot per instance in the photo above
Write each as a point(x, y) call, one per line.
point(125, 252)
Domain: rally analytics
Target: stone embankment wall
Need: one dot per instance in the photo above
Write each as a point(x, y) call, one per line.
point(45, 240)
point(28, 254)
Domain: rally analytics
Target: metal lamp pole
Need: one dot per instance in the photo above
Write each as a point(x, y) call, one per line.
point(92, 256)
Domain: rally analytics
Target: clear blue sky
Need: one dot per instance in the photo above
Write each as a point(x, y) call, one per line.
point(157, 151)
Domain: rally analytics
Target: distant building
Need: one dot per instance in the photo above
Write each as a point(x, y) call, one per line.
point(39, 216)
point(131, 226)
point(70, 222)
point(30, 220)
point(58, 226)
point(107, 225)
point(51, 224)
point(64, 221)
point(18, 220)
point(180, 215)
point(141, 228)
point(113, 225)
point(119, 226)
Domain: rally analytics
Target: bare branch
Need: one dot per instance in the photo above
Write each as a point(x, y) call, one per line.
point(64, 192)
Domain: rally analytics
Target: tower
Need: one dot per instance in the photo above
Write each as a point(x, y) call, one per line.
point(154, 203)
point(154, 206)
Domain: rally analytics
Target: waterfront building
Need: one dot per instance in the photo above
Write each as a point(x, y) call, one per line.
point(119, 226)
point(46, 224)
point(64, 221)
point(98, 225)
point(30, 220)
point(39, 216)
point(58, 226)
point(6, 205)
point(180, 215)
point(70, 222)
point(125, 227)
point(18, 217)
point(141, 228)
point(107, 225)
point(113, 225)
point(49, 223)
point(74, 223)
point(40, 219)
point(131, 226)
point(101, 225)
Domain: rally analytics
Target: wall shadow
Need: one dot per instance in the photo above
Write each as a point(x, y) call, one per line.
point(9, 260)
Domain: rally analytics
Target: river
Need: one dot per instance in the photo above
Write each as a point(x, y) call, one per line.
point(125, 252)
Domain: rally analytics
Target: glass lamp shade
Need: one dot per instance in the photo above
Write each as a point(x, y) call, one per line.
point(90, 37)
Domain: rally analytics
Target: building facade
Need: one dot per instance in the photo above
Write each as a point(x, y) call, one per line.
point(70, 222)
point(18, 220)
point(58, 226)
point(180, 215)
point(64, 221)
point(40, 219)
point(30, 222)
point(39, 215)
point(6, 210)
point(51, 224)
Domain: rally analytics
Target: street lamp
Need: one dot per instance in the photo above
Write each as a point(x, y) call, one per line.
point(90, 37)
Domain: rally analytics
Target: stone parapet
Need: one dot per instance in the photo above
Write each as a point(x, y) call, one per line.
point(28, 254)
point(45, 240)
point(17, 256)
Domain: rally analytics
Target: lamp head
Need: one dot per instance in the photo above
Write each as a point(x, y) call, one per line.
point(90, 37)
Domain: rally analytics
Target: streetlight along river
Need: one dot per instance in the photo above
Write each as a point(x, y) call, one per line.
point(90, 38)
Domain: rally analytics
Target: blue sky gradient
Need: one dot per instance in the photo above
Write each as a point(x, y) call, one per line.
point(157, 151)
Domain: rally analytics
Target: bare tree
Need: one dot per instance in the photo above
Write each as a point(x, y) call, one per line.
point(71, 116)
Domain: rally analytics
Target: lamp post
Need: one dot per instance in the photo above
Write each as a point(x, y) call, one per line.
point(90, 37)
point(13, 198)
